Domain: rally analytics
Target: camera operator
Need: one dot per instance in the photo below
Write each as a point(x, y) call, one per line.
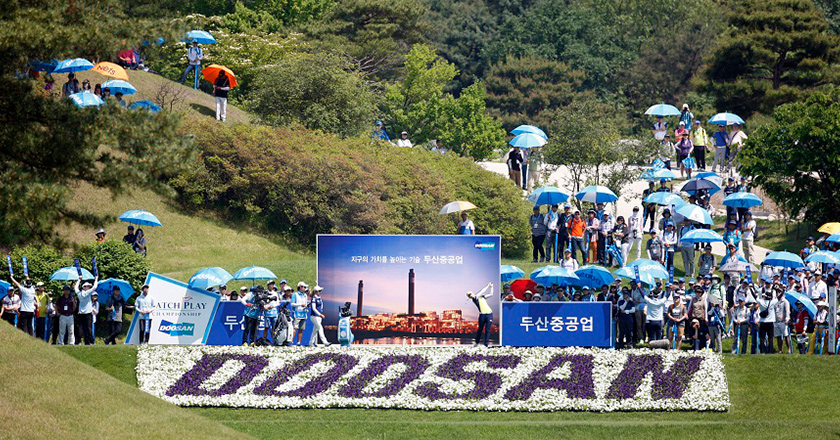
point(270, 309)
point(767, 320)
point(254, 302)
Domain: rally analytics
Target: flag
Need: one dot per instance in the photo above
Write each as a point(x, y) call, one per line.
point(78, 266)
point(25, 266)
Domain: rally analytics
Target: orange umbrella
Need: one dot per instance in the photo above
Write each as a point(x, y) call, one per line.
point(110, 69)
point(211, 72)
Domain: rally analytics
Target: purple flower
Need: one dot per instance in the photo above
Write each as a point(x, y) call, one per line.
point(578, 385)
point(416, 365)
point(190, 383)
point(669, 384)
point(486, 382)
point(342, 363)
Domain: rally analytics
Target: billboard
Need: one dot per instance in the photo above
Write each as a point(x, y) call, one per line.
point(229, 325)
point(182, 314)
point(557, 324)
point(410, 289)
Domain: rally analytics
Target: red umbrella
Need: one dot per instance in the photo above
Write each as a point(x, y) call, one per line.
point(519, 287)
point(211, 72)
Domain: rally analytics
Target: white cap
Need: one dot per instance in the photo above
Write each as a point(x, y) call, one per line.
point(317, 288)
point(39, 284)
point(87, 284)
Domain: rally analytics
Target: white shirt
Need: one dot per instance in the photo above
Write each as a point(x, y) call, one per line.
point(404, 143)
point(569, 263)
point(816, 288)
point(467, 224)
point(661, 129)
point(654, 308)
point(85, 305)
point(738, 138)
point(749, 233)
point(670, 239)
point(27, 299)
point(551, 220)
point(143, 304)
point(606, 226)
point(770, 306)
point(195, 55)
point(634, 225)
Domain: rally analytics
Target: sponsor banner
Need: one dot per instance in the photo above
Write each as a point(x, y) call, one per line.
point(229, 325)
point(429, 378)
point(557, 324)
point(411, 289)
point(182, 314)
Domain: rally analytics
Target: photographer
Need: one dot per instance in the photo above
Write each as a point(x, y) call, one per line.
point(254, 301)
point(655, 303)
point(271, 310)
point(767, 320)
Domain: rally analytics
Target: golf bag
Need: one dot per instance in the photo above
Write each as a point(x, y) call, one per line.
point(345, 333)
point(283, 332)
point(615, 253)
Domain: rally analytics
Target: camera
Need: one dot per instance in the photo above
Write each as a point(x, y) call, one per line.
point(344, 311)
point(261, 297)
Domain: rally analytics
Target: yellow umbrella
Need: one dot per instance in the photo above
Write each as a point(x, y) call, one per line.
point(830, 228)
point(456, 206)
point(110, 69)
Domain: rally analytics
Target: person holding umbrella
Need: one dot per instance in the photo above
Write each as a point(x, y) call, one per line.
point(722, 141)
point(466, 227)
point(220, 90)
point(115, 305)
point(140, 242)
point(194, 55)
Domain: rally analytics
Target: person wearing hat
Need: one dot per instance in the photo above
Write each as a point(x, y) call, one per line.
point(819, 338)
point(626, 309)
point(576, 227)
point(299, 307)
point(537, 223)
point(271, 309)
point(564, 239)
point(27, 306)
point(667, 151)
point(100, 235)
point(466, 227)
point(223, 293)
point(684, 149)
point(748, 227)
point(666, 218)
point(253, 312)
point(316, 309)
point(130, 237)
point(781, 328)
point(593, 225)
point(700, 140)
point(379, 133)
point(654, 307)
point(686, 116)
point(698, 309)
point(706, 262)
point(11, 306)
point(681, 130)
point(604, 238)
point(660, 128)
point(716, 324)
point(676, 321)
point(65, 307)
point(485, 313)
point(43, 304)
point(803, 326)
point(403, 141)
point(551, 219)
point(686, 247)
point(732, 235)
point(635, 231)
point(94, 314)
point(654, 247)
point(86, 306)
point(115, 305)
point(622, 237)
point(721, 140)
point(766, 320)
point(669, 242)
point(514, 164)
point(817, 287)
point(568, 262)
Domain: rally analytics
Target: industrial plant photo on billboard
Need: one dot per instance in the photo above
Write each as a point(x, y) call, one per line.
point(410, 289)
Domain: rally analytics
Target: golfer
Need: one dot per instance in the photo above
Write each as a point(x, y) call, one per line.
point(485, 317)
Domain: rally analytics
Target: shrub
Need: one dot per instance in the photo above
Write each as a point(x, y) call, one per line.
point(116, 259)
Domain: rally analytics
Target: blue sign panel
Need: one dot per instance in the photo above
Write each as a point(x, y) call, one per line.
point(229, 325)
point(557, 324)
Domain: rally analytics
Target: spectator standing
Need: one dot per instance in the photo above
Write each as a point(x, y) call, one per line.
point(732, 234)
point(119, 99)
point(379, 133)
point(736, 143)
point(100, 235)
point(681, 131)
point(253, 312)
point(722, 140)
point(270, 310)
point(755, 320)
point(654, 247)
point(144, 307)
point(66, 306)
point(817, 288)
point(194, 56)
point(622, 235)
point(700, 140)
point(687, 248)
point(649, 208)
point(538, 229)
point(803, 326)
point(626, 310)
point(317, 317)
point(71, 86)
point(660, 129)
point(564, 238)
point(669, 240)
point(85, 296)
point(780, 328)
point(568, 261)
point(514, 163)
point(667, 151)
point(767, 321)
point(748, 236)
point(706, 262)
point(466, 227)
point(684, 149)
point(299, 303)
point(576, 227)
point(140, 242)
point(716, 320)
point(676, 321)
point(525, 153)
point(604, 236)
point(11, 307)
point(592, 228)
point(686, 116)
point(115, 305)
point(42, 304)
point(740, 324)
point(552, 222)
point(403, 141)
point(26, 308)
point(221, 87)
point(743, 186)
point(635, 227)
point(654, 305)
point(698, 312)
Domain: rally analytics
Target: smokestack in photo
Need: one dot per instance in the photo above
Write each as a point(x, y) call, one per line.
point(360, 298)
point(410, 291)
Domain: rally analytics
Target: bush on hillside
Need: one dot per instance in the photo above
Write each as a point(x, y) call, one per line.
point(42, 262)
point(305, 183)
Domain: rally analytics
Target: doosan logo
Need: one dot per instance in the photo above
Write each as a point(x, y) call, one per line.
point(485, 246)
point(177, 328)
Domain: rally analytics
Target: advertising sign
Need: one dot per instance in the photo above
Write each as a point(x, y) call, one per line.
point(182, 314)
point(229, 325)
point(557, 324)
point(410, 289)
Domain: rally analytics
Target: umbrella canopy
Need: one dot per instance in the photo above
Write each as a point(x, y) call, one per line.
point(742, 200)
point(528, 140)
point(456, 206)
point(630, 274)
point(211, 72)
point(824, 257)
point(118, 85)
point(200, 37)
point(596, 194)
point(665, 198)
point(537, 271)
point(793, 297)
point(43, 66)
point(86, 99)
point(662, 110)
point(830, 228)
point(696, 214)
point(738, 265)
point(519, 287)
point(556, 275)
point(73, 65)
point(510, 272)
point(4, 288)
point(69, 273)
point(704, 174)
point(783, 259)
point(106, 288)
point(657, 174)
point(726, 118)
point(209, 277)
point(548, 195)
point(253, 273)
point(646, 265)
point(529, 129)
point(594, 277)
point(148, 105)
point(700, 183)
point(701, 236)
point(110, 69)
point(138, 217)
point(833, 238)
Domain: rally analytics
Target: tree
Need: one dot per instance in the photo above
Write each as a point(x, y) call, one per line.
point(463, 126)
point(795, 158)
point(50, 145)
point(319, 91)
point(778, 51)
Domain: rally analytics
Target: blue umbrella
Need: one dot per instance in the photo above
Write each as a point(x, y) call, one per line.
point(556, 275)
point(44, 66)
point(665, 198)
point(200, 37)
point(106, 288)
point(158, 41)
point(833, 238)
point(209, 277)
point(726, 118)
point(698, 184)
point(658, 174)
point(253, 273)
point(703, 174)
point(537, 271)
point(118, 85)
point(548, 195)
point(72, 65)
point(528, 129)
point(4, 288)
point(142, 218)
point(696, 214)
point(596, 194)
point(701, 236)
point(148, 105)
point(630, 274)
point(69, 273)
point(528, 140)
point(86, 99)
point(794, 296)
point(662, 110)
point(824, 257)
point(510, 272)
point(593, 276)
point(783, 259)
point(654, 268)
point(742, 200)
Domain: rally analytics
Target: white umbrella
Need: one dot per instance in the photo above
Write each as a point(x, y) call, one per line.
point(456, 206)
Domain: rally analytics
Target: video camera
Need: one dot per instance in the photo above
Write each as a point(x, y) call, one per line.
point(344, 311)
point(261, 298)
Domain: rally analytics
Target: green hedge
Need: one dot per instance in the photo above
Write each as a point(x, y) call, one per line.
point(303, 183)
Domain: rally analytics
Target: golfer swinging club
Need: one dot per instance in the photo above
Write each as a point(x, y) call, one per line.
point(485, 317)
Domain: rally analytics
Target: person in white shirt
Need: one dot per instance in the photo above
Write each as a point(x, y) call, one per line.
point(738, 137)
point(604, 236)
point(660, 129)
point(655, 303)
point(551, 221)
point(669, 242)
point(144, 307)
point(817, 287)
point(569, 262)
point(403, 141)
point(748, 236)
point(466, 227)
point(780, 327)
point(767, 321)
point(86, 307)
point(26, 313)
point(194, 55)
point(634, 224)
